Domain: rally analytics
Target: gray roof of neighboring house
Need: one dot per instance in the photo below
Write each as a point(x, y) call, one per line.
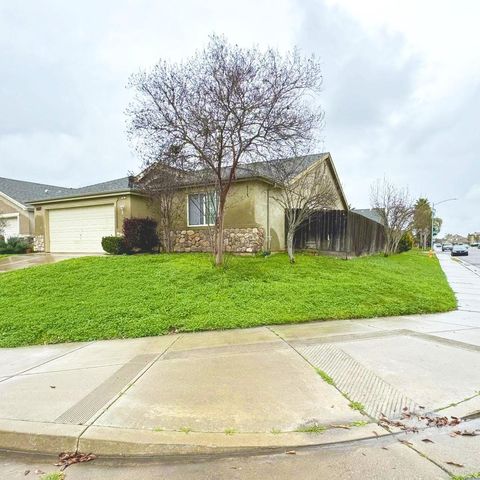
point(23, 192)
point(368, 213)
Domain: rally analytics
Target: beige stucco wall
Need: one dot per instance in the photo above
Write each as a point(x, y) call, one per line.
point(270, 216)
point(246, 208)
point(239, 210)
point(25, 216)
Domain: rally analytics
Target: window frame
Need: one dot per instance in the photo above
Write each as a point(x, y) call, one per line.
point(203, 214)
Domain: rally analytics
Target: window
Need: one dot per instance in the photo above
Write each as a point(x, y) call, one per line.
point(202, 208)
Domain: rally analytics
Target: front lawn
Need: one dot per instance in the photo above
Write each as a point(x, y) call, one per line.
point(132, 296)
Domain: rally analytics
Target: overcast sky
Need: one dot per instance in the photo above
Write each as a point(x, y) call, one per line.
point(401, 92)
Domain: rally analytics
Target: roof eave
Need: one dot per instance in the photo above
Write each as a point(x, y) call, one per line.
point(124, 191)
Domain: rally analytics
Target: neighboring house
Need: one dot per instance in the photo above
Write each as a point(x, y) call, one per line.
point(15, 210)
point(75, 220)
point(473, 237)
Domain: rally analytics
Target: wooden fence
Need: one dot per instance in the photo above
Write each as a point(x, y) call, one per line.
point(340, 231)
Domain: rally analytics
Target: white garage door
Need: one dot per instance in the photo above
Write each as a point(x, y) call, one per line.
point(80, 229)
point(9, 227)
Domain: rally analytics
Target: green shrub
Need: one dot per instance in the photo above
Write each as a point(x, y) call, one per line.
point(114, 245)
point(14, 245)
point(406, 242)
point(140, 234)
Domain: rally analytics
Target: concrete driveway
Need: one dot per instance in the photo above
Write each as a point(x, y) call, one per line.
point(259, 391)
point(17, 262)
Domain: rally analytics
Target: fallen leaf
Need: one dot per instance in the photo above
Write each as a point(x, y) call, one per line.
point(291, 452)
point(406, 442)
point(346, 427)
point(26, 472)
point(53, 386)
point(455, 464)
point(384, 448)
point(38, 472)
point(468, 433)
point(427, 440)
point(69, 458)
point(375, 433)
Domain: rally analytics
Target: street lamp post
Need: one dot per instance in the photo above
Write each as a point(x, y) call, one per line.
point(433, 216)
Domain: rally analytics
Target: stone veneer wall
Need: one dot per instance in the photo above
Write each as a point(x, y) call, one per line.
point(39, 243)
point(237, 240)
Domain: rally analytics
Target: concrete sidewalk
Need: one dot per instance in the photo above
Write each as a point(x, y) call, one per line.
point(253, 390)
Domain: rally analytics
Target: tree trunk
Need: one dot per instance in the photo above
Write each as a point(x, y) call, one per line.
point(290, 251)
point(219, 234)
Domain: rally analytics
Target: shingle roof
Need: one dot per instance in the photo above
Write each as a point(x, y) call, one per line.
point(263, 169)
point(266, 169)
point(23, 192)
point(28, 192)
point(117, 185)
point(104, 187)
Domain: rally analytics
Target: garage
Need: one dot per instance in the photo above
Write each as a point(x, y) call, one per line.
point(80, 229)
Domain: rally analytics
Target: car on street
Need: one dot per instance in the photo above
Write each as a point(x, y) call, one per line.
point(447, 247)
point(459, 250)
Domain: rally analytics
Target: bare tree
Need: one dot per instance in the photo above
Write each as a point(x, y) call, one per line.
point(224, 107)
point(395, 208)
point(303, 188)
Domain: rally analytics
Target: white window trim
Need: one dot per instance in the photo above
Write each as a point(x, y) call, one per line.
point(204, 215)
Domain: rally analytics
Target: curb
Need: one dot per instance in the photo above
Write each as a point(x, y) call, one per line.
point(469, 266)
point(51, 439)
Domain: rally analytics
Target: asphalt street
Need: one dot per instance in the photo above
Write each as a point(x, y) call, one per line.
point(473, 256)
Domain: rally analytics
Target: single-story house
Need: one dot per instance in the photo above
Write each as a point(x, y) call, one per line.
point(76, 219)
point(16, 213)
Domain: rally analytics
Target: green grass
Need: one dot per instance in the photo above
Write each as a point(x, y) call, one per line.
point(325, 377)
point(311, 429)
point(3, 255)
point(53, 476)
point(359, 423)
point(357, 406)
point(466, 477)
point(133, 296)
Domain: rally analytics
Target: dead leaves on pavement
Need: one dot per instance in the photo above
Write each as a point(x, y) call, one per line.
point(69, 458)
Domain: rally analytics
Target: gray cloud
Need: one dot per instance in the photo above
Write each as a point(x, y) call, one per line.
point(64, 67)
